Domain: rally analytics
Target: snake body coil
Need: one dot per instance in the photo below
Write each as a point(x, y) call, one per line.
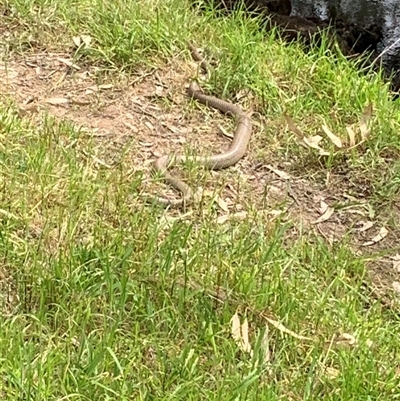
point(235, 152)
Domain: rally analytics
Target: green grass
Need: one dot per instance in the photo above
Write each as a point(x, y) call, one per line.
point(104, 302)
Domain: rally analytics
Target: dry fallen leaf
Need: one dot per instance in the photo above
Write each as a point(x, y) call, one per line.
point(236, 216)
point(335, 139)
point(328, 213)
point(57, 100)
point(365, 122)
point(199, 194)
point(279, 173)
point(100, 162)
point(149, 125)
point(396, 262)
point(222, 204)
point(105, 86)
point(274, 213)
point(396, 286)
point(323, 207)
point(28, 109)
point(159, 91)
point(77, 40)
point(69, 63)
point(383, 232)
point(223, 219)
point(307, 142)
point(344, 340)
point(265, 345)
point(82, 39)
point(86, 39)
point(235, 327)
point(366, 225)
point(95, 88)
point(352, 135)
point(332, 373)
point(166, 221)
point(348, 338)
point(240, 333)
point(145, 144)
point(313, 142)
point(283, 329)
point(239, 215)
point(245, 336)
point(293, 127)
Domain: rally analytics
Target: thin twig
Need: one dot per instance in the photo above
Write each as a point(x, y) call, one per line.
point(384, 51)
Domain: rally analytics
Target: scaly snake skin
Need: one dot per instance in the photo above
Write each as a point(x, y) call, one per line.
point(235, 152)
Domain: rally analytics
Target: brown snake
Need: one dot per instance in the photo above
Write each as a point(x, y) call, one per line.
point(235, 152)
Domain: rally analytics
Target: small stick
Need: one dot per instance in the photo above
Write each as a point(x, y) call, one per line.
point(385, 50)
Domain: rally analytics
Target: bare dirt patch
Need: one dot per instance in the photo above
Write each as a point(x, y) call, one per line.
point(148, 114)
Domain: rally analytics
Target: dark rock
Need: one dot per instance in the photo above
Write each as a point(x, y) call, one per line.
point(352, 39)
